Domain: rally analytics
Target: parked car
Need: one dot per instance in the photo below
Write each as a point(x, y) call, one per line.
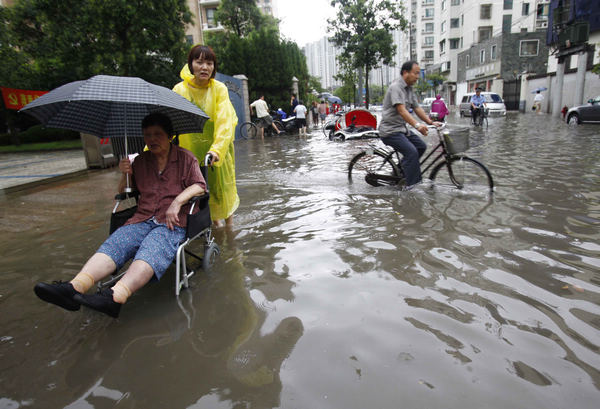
point(494, 103)
point(585, 113)
point(426, 104)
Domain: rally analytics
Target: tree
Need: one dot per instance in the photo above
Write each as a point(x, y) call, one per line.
point(267, 61)
point(363, 29)
point(435, 79)
point(69, 40)
point(240, 16)
point(347, 76)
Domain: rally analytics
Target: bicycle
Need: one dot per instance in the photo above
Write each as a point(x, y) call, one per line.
point(376, 166)
point(481, 117)
point(249, 130)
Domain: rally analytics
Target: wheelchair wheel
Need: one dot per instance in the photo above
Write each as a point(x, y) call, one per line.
point(248, 130)
point(211, 252)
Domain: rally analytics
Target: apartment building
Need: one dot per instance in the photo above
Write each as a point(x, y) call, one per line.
point(441, 29)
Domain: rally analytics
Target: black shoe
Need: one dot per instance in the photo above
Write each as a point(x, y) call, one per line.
point(58, 293)
point(101, 301)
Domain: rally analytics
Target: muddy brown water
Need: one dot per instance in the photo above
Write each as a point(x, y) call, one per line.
point(328, 295)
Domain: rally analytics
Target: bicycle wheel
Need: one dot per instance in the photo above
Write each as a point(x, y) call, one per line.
point(248, 130)
point(374, 168)
point(462, 172)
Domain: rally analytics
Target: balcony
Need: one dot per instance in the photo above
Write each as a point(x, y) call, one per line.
point(209, 2)
point(212, 27)
point(424, 17)
point(423, 45)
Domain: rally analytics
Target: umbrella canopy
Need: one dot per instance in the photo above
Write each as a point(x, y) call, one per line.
point(109, 106)
point(540, 89)
point(333, 99)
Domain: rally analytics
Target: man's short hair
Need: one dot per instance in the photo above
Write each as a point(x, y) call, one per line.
point(408, 66)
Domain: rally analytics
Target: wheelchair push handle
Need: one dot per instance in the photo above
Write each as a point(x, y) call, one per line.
point(209, 159)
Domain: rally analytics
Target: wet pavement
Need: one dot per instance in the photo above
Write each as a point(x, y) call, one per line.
point(330, 295)
point(21, 170)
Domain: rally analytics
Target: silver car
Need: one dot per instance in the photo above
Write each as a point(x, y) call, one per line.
point(493, 101)
point(585, 113)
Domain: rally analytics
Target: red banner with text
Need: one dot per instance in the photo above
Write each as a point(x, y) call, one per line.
point(18, 98)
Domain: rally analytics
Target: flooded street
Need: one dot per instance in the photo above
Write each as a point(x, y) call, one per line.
point(330, 295)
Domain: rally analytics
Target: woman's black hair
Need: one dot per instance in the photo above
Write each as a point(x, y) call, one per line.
point(159, 119)
point(206, 53)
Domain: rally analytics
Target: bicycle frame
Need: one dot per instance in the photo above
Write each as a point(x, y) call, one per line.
point(444, 153)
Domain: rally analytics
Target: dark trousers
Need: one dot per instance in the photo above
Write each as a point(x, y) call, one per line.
point(412, 147)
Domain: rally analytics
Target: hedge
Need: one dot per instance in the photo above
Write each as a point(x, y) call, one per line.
point(38, 133)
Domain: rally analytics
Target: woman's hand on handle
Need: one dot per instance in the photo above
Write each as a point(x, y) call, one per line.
point(125, 166)
point(215, 156)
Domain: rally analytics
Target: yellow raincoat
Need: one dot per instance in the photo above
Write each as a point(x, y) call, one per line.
point(217, 136)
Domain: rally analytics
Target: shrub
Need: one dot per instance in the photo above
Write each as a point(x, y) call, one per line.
point(38, 133)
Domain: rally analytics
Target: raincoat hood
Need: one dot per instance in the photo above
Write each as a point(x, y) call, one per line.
point(438, 96)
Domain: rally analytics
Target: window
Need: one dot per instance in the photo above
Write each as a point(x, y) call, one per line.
point(210, 18)
point(429, 27)
point(454, 22)
point(525, 10)
point(508, 4)
point(481, 56)
point(428, 1)
point(485, 33)
point(189, 39)
point(462, 20)
point(529, 48)
point(493, 53)
point(429, 54)
point(454, 43)
point(443, 4)
point(542, 11)
point(428, 40)
point(485, 12)
point(443, 46)
point(443, 27)
point(506, 23)
point(455, 2)
point(467, 60)
point(429, 12)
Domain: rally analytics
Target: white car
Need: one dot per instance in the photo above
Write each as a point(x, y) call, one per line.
point(426, 104)
point(493, 101)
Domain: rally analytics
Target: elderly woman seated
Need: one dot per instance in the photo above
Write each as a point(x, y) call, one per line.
point(167, 177)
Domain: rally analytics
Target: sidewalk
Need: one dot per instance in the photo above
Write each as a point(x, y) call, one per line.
point(19, 170)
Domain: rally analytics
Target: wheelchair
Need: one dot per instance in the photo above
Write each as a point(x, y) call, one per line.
point(198, 230)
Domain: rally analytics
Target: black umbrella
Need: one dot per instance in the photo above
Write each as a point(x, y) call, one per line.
point(108, 106)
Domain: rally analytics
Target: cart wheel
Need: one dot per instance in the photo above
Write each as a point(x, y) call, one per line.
point(211, 252)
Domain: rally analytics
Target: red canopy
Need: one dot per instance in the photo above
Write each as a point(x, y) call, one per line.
point(362, 117)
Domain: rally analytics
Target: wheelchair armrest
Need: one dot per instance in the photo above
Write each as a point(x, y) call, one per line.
point(200, 200)
point(125, 195)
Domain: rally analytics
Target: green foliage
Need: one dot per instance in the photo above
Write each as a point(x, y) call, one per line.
point(363, 29)
point(435, 79)
point(596, 68)
point(422, 86)
point(267, 61)
point(37, 134)
point(346, 92)
point(241, 17)
point(69, 40)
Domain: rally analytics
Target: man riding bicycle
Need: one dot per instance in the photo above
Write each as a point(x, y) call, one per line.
point(477, 104)
point(399, 98)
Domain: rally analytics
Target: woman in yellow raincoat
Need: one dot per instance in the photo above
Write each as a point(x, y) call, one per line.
point(200, 87)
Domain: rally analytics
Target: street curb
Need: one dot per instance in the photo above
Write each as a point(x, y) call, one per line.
point(46, 181)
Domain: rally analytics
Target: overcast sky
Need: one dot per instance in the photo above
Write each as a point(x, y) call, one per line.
point(304, 21)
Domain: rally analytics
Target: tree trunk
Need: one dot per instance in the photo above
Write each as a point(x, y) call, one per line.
point(367, 87)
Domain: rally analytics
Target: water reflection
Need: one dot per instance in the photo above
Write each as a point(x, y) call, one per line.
point(328, 295)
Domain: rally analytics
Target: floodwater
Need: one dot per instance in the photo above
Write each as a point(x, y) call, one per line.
point(328, 295)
